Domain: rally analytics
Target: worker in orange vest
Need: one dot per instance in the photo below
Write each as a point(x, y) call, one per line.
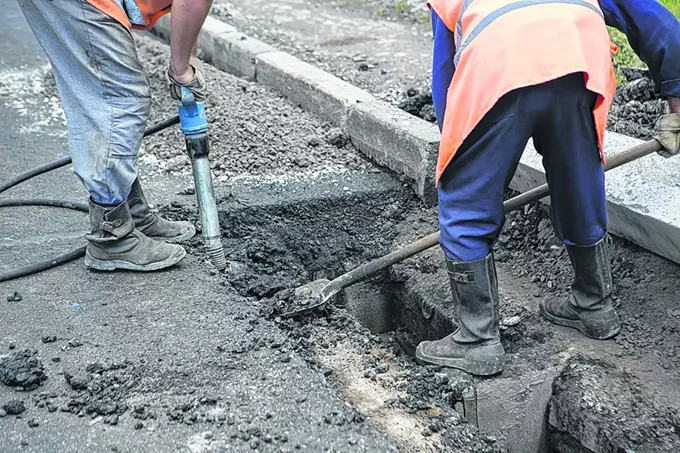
point(507, 71)
point(106, 99)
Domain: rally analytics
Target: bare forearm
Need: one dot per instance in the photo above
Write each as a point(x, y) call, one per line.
point(186, 20)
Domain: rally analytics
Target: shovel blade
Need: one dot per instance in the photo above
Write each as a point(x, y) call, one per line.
point(312, 290)
point(307, 298)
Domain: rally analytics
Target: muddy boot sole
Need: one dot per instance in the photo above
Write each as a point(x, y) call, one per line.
point(602, 325)
point(112, 265)
point(481, 361)
point(191, 232)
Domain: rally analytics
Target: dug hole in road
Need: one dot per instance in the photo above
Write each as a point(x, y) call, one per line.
point(199, 361)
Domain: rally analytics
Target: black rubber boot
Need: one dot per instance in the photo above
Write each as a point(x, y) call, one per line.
point(115, 243)
point(589, 307)
point(153, 226)
point(476, 346)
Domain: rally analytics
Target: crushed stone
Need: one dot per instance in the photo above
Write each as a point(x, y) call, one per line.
point(253, 130)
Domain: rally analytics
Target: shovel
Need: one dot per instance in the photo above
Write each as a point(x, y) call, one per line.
point(316, 294)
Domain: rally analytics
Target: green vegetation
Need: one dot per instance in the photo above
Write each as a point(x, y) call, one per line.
point(401, 7)
point(673, 5)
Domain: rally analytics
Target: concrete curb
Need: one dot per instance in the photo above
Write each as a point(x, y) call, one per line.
point(643, 197)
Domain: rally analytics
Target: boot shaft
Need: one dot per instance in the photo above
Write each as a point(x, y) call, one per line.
point(592, 287)
point(109, 224)
point(139, 207)
point(474, 286)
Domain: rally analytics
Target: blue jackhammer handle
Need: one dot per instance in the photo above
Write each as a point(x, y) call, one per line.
point(192, 114)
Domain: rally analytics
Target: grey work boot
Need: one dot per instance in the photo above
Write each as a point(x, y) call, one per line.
point(151, 224)
point(115, 243)
point(476, 346)
point(589, 307)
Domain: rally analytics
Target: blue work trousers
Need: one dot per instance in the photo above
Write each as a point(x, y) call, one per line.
point(558, 115)
point(103, 88)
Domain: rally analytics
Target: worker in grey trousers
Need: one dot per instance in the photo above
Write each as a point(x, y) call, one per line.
point(106, 99)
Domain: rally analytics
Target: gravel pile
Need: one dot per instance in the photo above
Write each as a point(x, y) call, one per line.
point(253, 131)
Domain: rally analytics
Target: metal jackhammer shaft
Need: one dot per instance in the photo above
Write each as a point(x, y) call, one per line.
point(195, 129)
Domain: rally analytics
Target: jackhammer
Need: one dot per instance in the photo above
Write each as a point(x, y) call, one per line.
point(195, 128)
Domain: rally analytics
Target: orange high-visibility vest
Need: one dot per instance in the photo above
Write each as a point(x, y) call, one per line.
point(151, 11)
point(502, 45)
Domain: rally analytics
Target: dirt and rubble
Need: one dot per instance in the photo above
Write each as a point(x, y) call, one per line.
point(253, 131)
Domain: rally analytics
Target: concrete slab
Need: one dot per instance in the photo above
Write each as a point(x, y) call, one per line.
point(401, 142)
point(315, 90)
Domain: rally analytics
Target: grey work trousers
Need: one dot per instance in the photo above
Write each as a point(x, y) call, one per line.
point(103, 88)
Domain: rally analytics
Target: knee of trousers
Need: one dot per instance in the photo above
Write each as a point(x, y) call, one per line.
point(469, 233)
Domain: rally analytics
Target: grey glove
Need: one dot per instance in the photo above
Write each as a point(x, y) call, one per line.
point(667, 134)
point(196, 86)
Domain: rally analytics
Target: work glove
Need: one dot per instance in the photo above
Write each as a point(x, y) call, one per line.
point(668, 134)
point(196, 86)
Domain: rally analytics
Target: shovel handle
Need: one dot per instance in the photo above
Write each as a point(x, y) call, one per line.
point(373, 267)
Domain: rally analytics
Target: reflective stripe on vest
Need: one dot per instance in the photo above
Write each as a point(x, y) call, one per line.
point(501, 11)
point(459, 23)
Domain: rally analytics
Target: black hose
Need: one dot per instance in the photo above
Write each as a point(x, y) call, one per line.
point(43, 265)
point(47, 202)
point(163, 124)
point(61, 162)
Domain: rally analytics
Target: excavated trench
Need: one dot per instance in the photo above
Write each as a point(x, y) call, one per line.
point(278, 239)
